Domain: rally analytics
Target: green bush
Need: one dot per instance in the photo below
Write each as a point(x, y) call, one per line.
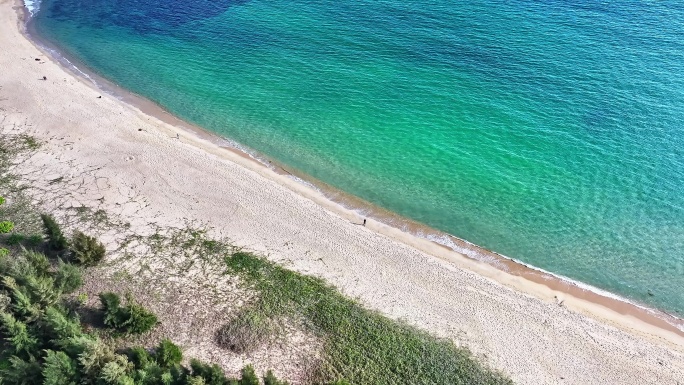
point(6, 227)
point(55, 239)
point(68, 278)
point(34, 240)
point(15, 239)
point(140, 357)
point(248, 376)
point(132, 318)
point(270, 379)
point(59, 369)
point(212, 374)
point(168, 354)
point(39, 262)
point(86, 250)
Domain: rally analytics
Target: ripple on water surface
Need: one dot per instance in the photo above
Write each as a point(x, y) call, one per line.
point(547, 131)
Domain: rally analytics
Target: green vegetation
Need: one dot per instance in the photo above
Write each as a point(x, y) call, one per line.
point(43, 341)
point(56, 241)
point(86, 250)
point(132, 318)
point(361, 346)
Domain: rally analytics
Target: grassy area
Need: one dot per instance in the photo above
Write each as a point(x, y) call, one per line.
point(361, 346)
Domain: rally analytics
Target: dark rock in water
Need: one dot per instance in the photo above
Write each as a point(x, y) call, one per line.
point(650, 293)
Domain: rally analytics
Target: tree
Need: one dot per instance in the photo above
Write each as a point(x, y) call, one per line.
point(248, 376)
point(22, 372)
point(17, 336)
point(168, 354)
point(59, 369)
point(270, 379)
point(68, 277)
point(59, 326)
point(56, 240)
point(86, 250)
point(132, 318)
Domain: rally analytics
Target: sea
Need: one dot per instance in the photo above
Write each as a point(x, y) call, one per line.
point(549, 131)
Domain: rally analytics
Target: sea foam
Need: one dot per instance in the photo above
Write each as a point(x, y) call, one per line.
point(32, 6)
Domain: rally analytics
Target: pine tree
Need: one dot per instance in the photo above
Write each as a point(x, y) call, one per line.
point(59, 326)
point(38, 261)
point(42, 291)
point(248, 376)
point(168, 354)
point(59, 369)
point(22, 372)
point(87, 251)
point(68, 278)
point(56, 240)
point(270, 379)
point(23, 306)
point(17, 335)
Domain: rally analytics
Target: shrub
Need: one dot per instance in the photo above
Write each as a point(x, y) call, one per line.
point(270, 379)
point(140, 357)
point(22, 372)
point(34, 240)
point(86, 250)
point(68, 278)
point(17, 335)
point(246, 332)
point(59, 369)
point(248, 376)
point(82, 299)
point(56, 240)
point(132, 318)
point(59, 326)
point(140, 320)
point(15, 239)
point(6, 227)
point(168, 354)
point(212, 374)
point(39, 262)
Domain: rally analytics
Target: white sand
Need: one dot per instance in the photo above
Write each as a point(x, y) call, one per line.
point(513, 324)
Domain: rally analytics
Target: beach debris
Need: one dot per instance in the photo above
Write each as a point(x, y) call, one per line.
point(37, 59)
point(99, 97)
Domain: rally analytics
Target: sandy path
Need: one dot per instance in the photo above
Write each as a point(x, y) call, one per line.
point(136, 167)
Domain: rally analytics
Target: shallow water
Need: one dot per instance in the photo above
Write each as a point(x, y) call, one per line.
point(548, 131)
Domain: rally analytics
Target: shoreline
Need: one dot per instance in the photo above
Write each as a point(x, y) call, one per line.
point(386, 223)
point(128, 162)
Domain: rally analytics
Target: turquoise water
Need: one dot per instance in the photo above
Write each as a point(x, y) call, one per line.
point(549, 131)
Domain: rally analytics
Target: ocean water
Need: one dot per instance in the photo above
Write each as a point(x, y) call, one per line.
point(551, 131)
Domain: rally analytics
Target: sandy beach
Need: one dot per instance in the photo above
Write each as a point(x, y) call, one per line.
point(130, 163)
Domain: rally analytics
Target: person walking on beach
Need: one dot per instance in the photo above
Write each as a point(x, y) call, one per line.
point(364, 221)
